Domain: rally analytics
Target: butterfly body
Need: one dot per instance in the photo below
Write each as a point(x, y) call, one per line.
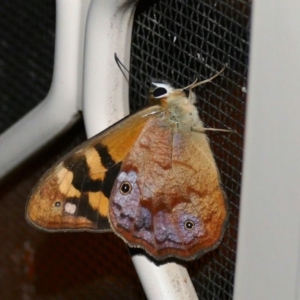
point(151, 178)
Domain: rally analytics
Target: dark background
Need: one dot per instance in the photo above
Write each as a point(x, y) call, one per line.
point(177, 41)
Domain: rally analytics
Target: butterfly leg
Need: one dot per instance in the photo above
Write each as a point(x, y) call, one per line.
point(202, 129)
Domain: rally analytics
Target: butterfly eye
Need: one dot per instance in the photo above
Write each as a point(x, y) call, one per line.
point(125, 188)
point(57, 204)
point(160, 92)
point(189, 225)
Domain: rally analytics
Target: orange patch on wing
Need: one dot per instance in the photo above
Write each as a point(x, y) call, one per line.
point(97, 170)
point(65, 178)
point(73, 223)
point(119, 142)
point(99, 202)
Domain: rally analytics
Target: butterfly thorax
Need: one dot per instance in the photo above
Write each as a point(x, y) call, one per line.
point(180, 110)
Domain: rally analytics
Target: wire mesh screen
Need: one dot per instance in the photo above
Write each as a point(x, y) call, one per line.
point(180, 41)
point(177, 41)
point(26, 56)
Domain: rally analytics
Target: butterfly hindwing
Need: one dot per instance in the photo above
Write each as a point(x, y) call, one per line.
point(74, 194)
point(167, 197)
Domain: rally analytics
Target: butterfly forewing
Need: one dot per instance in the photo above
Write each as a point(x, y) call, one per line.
point(74, 194)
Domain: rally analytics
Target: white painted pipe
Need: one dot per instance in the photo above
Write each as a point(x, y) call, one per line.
point(105, 102)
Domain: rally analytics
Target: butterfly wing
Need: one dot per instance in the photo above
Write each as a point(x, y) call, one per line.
point(167, 197)
point(74, 193)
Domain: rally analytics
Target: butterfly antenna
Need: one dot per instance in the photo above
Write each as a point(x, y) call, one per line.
point(122, 68)
point(194, 84)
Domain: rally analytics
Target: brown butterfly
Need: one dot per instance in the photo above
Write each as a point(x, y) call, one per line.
point(151, 178)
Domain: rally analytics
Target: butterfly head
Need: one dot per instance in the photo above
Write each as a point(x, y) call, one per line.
point(164, 94)
point(178, 104)
point(159, 93)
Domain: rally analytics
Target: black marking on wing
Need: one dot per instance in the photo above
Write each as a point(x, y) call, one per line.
point(110, 178)
point(84, 209)
point(81, 180)
point(83, 183)
point(106, 159)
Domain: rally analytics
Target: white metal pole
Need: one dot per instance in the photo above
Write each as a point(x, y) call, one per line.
point(105, 102)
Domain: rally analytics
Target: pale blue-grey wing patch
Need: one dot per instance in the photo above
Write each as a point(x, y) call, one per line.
point(176, 229)
point(162, 229)
point(125, 205)
point(126, 211)
point(165, 229)
point(190, 227)
point(143, 219)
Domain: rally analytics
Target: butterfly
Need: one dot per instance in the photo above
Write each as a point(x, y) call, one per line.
point(151, 178)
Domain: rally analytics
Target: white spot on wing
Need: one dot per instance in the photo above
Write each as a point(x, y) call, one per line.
point(70, 208)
